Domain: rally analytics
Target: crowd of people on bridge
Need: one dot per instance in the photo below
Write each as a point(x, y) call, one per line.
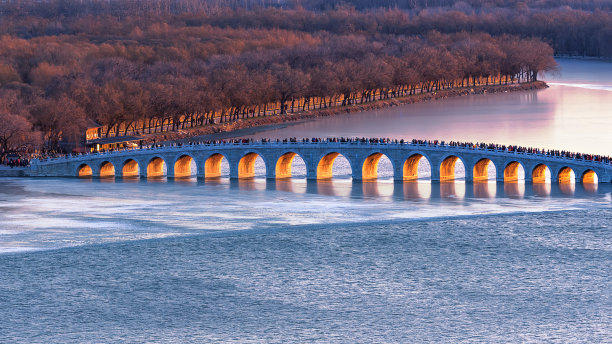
point(362, 140)
point(14, 159)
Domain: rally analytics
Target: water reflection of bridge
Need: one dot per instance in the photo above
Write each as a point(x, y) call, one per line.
point(206, 160)
point(389, 189)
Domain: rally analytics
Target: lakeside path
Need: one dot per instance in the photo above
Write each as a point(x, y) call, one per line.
point(244, 127)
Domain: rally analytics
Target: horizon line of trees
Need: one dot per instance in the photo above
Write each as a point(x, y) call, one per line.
point(571, 27)
point(53, 88)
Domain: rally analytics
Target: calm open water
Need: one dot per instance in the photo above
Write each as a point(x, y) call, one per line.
point(90, 261)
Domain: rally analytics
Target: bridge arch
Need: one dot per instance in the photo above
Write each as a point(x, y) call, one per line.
point(448, 167)
point(107, 169)
point(566, 175)
point(513, 171)
point(156, 167)
point(369, 167)
point(213, 165)
point(410, 169)
point(284, 164)
point(185, 166)
point(540, 174)
point(481, 170)
point(130, 168)
point(326, 164)
point(589, 177)
point(84, 171)
point(246, 165)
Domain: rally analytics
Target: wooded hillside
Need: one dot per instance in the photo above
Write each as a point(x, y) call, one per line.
point(64, 63)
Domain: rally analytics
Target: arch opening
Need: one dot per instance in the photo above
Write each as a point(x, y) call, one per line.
point(185, 167)
point(590, 177)
point(287, 163)
point(249, 164)
point(156, 168)
point(484, 170)
point(107, 170)
point(540, 174)
point(130, 169)
point(415, 167)
point(216, 166)
point(514, 172)
point(451, 168)
point(326, 167)
point(372, 164)
point(566, 176)
point(84, 171)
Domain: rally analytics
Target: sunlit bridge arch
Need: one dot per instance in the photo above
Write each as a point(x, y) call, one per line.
point(513, 172)
point(185, 166)
point(448, 167)
point(246, 165)
point(213, 164)
point(284, 164)
point(483, 169)
point(540, 174)
point(156, 167)
point(130, 168)
point(566, 175)
point(326, 164)
point(589, 177)
point(107, 170)
point(411, 166)
point(369, 169)
point(84, 170)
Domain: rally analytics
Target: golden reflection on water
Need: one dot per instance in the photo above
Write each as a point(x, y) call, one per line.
point(414, 189)
point(373, 188)
point(541, 189)
point(381, 189)
point(590, 188)
point(485, 189)
point(514, 189)
point(290, 185)
point(567, 188)
point(452, 190)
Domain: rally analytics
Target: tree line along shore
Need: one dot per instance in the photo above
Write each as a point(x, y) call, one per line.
point(189, 132)
point(167, 71)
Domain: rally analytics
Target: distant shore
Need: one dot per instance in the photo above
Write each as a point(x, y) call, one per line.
point(250, 126)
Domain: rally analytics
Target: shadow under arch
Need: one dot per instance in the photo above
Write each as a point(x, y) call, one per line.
point(369, 169)
point(540, 174)
point(566, 175)
point(513, 172)
point(84, 171)
point(185, 167)
point(326, 164)
point(448, 167)
point(246, 165)
point(284, 164)
point(482, 170)
point(411, 166)
point(589, 177)
point(156, 167)
point(130, 169)
point(107, 170)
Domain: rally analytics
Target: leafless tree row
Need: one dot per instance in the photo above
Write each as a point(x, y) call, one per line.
point(142, 74)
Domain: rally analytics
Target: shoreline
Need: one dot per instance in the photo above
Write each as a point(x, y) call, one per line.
point(249, 126)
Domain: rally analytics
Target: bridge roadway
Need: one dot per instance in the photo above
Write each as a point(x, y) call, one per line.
point(178, 161)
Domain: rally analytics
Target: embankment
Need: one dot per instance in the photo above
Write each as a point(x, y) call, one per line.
point(226, 128)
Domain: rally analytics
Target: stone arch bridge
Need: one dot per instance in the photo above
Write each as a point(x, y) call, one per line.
point(179, 161)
